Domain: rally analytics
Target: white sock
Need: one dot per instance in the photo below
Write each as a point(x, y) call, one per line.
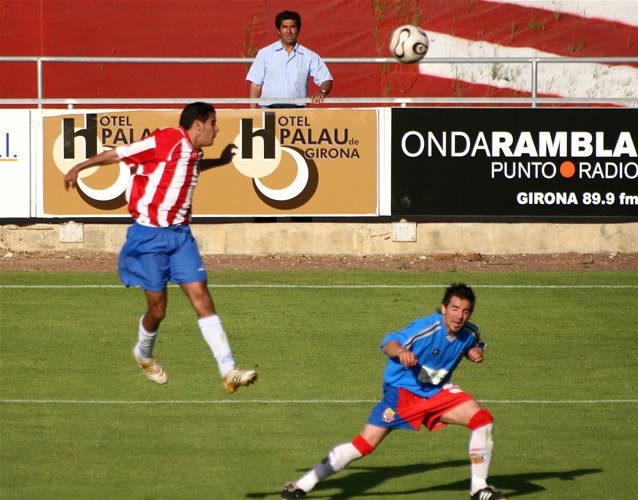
point(481, 446)
point(215, 336)
point(338, 459)
point(145, 342)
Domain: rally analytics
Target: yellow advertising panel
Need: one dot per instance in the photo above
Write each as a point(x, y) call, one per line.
point(320, 162)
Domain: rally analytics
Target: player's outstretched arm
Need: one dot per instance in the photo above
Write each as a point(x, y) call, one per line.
point(104, 158)
point(225, 158)
point(395, 350)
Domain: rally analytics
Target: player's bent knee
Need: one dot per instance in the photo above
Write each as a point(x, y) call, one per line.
point(155, 315)
point(481, 418)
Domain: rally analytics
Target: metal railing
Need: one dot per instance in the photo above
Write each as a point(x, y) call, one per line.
point(533, 101)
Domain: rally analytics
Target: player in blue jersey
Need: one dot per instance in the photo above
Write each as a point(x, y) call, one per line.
point(417, 391)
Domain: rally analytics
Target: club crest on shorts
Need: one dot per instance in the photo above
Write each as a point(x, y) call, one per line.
point(388, 415)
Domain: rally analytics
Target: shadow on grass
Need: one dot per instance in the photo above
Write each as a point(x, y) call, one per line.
point(358, 481)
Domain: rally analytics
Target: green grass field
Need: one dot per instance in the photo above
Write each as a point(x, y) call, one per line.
point(78, 420)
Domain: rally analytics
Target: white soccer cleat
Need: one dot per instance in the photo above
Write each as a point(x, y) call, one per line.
point(152, 369)
point(488, 493)
point(237, 378)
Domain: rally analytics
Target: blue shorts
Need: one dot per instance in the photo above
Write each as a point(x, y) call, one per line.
point(402, 409)
point(152, 256)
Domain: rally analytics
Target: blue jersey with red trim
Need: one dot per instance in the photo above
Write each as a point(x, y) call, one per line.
point(437, 352)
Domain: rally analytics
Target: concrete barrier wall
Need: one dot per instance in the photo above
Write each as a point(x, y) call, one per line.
point(319, 238)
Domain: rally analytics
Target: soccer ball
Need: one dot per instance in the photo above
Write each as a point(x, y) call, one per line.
point(409, 44)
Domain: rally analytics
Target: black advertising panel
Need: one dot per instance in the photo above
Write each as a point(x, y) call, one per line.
point(511, 163)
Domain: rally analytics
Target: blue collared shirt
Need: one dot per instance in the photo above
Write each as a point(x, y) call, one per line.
point(282, 75)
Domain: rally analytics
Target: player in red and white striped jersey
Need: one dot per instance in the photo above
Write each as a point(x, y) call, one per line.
point(162, 188)
point(159, 246)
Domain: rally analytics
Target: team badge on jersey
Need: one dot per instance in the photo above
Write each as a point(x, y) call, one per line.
point(388, 415)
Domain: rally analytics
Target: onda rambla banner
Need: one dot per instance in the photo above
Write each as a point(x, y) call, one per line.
point(510, 163)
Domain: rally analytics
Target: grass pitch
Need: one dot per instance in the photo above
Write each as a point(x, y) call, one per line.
point(78, 420)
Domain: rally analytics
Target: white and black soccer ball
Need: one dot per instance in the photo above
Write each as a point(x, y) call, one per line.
point(409, 44)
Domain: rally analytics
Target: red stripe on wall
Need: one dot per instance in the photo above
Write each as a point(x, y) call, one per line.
point(516, 26)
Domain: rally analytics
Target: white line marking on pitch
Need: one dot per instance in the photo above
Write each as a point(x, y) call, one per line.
point(291, 401)
point(213, 285)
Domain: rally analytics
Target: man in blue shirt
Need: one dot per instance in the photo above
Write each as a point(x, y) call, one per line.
point(281, 70)
point(417, 391)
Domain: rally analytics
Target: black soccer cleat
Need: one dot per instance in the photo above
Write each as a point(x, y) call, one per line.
point(291, 491)
point(488, 493)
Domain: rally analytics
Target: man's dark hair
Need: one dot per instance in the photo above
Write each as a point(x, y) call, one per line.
point(460, 290)
point(196, 111)
point(288, 14)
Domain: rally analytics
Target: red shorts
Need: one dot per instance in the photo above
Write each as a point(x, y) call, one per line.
point(401, 409)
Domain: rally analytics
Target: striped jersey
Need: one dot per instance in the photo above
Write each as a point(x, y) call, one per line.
point(438, 354)
point(160, 193)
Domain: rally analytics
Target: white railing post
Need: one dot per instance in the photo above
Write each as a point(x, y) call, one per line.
point(534, 81)
point(40, 84)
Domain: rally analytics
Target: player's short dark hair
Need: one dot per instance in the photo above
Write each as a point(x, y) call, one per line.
point(196, 111)
point(288, 15)
point(460, 290)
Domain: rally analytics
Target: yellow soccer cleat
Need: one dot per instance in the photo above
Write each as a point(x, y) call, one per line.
point(152, 369)
point(237, 378)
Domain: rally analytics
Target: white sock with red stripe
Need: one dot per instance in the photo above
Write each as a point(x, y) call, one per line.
point(215, 337)
point(481, 447)
point(338, 459)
